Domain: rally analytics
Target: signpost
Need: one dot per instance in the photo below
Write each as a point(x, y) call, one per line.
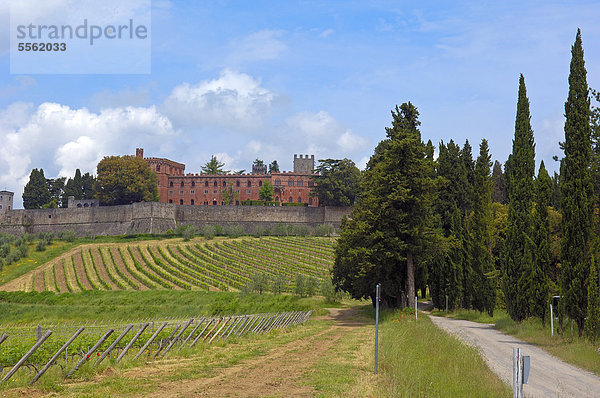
point(377, 299)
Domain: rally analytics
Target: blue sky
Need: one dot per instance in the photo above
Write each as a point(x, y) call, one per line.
point(271, 79)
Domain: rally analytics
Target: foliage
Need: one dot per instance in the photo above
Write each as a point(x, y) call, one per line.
point(209, 231)
point(187, 232)
point(592, 323)
point(576, 188)
point(311, 286)
point(299, 286)
point(36, 193)
point(266, 191)
point(540, 290)
point(519, 254)
point(274, 167)
point(324, 230)
point(390, 226)
point(124, 180)
point(213, 166)
point(337, 182)
point(499, 193)
point(230, 195)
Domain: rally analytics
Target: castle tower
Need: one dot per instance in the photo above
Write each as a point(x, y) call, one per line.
point(139, 153)
point(304, 164)
point(6, 201)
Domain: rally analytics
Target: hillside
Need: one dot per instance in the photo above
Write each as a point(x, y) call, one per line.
point(221, 264)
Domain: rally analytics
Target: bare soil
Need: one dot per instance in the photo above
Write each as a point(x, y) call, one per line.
point(40, 284)
point(80, 269)
point(102, 273)
point(61, 280)
point(277, 373)
point(121, 266)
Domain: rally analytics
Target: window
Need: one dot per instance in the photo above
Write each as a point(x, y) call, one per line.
point(92, 205)
point(299, 199)
point(193, 183)
point(170, 200)
point(206, 191)
point(276, 198)
point(180, 201)
point(192, 192)
point(214, 202)
point(0, 207)
point(86, 205)
point(170, 192)
point(181, 192)
point(206, 202)
point(215, 183)
point(205, 183)
point(215, 191)
point(299, 183)
point(78, 204)
point(290, 183)
point(248, 191)
point(260, 183)
point(181, 184)
point(249, 183)
point(224, 183)
point(158, 167)
point(237, 183)
point(192, 202)
point(1, 198)
point(171, 183)
point(290, 199)
point(310, 201)
point(311, 184)
point(277, 183)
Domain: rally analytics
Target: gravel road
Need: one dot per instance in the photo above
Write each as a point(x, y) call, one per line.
point(549, 376)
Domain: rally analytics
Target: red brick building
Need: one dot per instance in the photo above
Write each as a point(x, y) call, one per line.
point(174, 186)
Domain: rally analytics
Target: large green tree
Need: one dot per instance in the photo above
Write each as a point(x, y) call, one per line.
point(124, 180)
point(519, 246)
point(336, 182)
point(576, 188)
point(266, 192)
point(36, 193)
point(213, 166)
point(390, 226)
point(482, 264)
point(539, 294)
point(499, 193)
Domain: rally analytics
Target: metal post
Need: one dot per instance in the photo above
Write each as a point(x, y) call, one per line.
point(416, 308)
point(551, 320)
point(113, 345)
point(376, 322)
point(446, 303)
point(128, 346)
point(90, 352)
point(26, 356)
point(517, 373)
point(56, 355)
point(150, 340)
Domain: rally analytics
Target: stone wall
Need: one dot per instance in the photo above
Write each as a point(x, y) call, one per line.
point(159, 217)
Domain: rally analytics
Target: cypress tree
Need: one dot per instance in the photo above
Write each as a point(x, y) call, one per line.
point(499, 191)
point(540, 291)
point(482, 264)
point(592, 324)
point(36, 192)
point(519, 247)
point(576, 192)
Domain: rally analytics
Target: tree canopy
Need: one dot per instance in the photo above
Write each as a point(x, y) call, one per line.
point(336, 182)
point(36, 193)
point(124, 180)
point(213, 166)
point(266, 192)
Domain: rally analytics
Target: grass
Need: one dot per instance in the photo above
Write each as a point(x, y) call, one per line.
point(49, 307)
point(572, 349)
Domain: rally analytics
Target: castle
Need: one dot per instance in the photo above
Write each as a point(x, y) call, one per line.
point(6, 201)
point(174, 186)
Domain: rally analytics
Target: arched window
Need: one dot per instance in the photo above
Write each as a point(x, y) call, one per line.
point(180, 201)
point(182, 183)
point(215, 184)
point(299, 199)
point(299, 183)
point(237, 183)
point(224, 183)
point(193, 183)
point(260, 183)
point(290, 199)
point(192, 202)
point(171, 183)
point(170, 200)
point(310, 201)
point(205, 183)
point(249, 183)
point(276, 198)
point(158, 167)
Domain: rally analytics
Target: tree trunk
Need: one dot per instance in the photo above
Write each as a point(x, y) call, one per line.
point(410, 279)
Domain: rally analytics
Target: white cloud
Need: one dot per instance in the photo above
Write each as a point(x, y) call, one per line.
point(61, 139)
point(234, 100)
point(326, 33)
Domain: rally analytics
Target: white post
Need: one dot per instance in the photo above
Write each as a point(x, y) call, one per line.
point(416, 298)
point(551, 321)
point(517, 373)
point(376, 322)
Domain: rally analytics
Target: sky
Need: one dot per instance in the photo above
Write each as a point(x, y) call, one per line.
point(269, 79)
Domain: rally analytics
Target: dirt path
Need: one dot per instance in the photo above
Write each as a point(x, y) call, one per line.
point(549, 376)
point(278, 373)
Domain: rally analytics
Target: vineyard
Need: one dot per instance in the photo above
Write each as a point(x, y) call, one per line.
point(227, 264)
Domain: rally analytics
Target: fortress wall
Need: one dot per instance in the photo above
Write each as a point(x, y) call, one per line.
point(159, 217)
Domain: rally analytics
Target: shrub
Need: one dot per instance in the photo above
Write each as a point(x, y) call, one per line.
point(23, 249)
point(299, 288)
point(218, 230)
point(311, 286)
point(41, 245)
point(272, 203)
point(186, 231)
point(208, 231)
point(294, 204)
point(13, 256)
point(328, 291)
point(252, 202)
point(68, 235)
point(46, 236)
point(234, 231)
point(260, 231)
point(29, 238)
point(170, 232)
point(324, 230)
point(4, 249)
point(281, 230)
point(279, 284)
point(299, 230)
point(260, 282)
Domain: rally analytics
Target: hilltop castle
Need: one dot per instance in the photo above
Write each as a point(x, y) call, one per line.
point(174, 186)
